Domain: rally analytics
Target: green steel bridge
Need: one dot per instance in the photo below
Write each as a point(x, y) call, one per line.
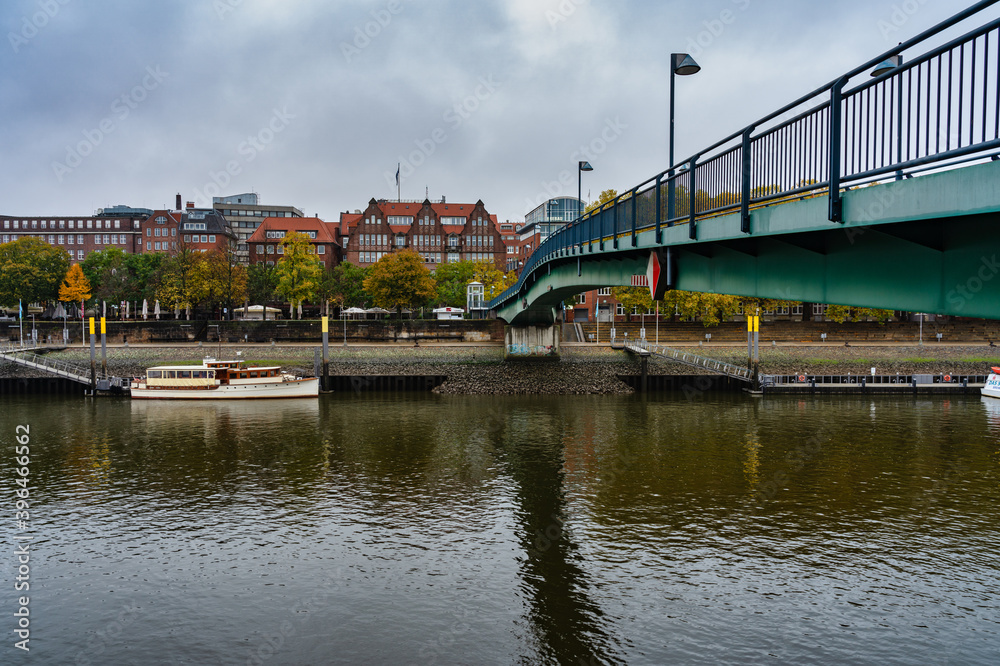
point(876, 190)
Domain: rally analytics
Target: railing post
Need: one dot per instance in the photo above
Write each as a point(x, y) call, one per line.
point(745, 190)
point(635, 213)
point(692, 229)
point(836, 205)
point(614, 224)
point(659, 233)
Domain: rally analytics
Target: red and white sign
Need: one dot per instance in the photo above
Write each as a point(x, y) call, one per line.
point(640, 281)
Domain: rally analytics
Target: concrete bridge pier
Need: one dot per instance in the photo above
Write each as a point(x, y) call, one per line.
point(525, 342)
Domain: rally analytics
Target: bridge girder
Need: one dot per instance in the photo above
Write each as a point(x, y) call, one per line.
point(928, 244)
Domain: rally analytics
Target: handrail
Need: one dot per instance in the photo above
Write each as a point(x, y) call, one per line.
point(694, 360)
point(855, 134)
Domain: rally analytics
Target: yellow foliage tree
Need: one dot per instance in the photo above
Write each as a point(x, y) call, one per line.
point(400, 280)
point(299, 271)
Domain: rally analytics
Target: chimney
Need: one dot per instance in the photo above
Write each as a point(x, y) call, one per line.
point(178, 206)
point(190, 204)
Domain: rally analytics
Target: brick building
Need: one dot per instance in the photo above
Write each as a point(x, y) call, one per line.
point(79, 236)
point(265, 242)
point(201, 230)
point(439, 232)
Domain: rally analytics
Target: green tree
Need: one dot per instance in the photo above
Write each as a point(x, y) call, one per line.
point(451, 283)
point(299, 270)
point(262, 284)
point(400, 280)
point(349, 285)
point(31, 270)
point(143, 271)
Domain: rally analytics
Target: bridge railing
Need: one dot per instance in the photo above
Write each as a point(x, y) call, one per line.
point(934, 111)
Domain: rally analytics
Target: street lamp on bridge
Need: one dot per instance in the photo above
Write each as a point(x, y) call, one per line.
point(681, 64)
point(581, 167)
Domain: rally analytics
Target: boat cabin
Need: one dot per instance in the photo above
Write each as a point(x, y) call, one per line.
point(211, 373)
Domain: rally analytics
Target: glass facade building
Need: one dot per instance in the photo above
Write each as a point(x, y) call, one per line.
point(552, 215)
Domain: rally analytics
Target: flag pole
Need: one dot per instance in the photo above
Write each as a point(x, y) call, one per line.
point(399, 198)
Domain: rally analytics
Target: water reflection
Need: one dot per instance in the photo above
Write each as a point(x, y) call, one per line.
point(543, 530)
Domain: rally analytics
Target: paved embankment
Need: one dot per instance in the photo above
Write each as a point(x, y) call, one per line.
point(581, 369)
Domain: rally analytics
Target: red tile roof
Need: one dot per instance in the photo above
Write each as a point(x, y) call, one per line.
point(324, 231)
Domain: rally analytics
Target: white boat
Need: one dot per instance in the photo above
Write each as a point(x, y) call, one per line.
point(221, 380)
point(992, 388)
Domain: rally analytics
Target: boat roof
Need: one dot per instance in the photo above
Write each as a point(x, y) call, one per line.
point(215, 365)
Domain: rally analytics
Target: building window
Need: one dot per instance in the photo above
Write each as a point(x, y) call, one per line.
point(281, 249)
point(79, 255)
point(321, 249)
point(187, 238)
point(204, 238)
point(260, 249)
point(160, 219)
point(149, 232)
point(90, 224)
point(173, 231)
point(114, 239)
point(270, 249)
point(606, 291)
point(149, 246)
point(156, 245)
point(400, 219)
point(582, 299)
point(211, 238)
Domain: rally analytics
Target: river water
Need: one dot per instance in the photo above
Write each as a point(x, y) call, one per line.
point(672, 529)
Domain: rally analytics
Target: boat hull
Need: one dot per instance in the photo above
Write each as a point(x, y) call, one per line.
point(296, 388)
point(992, 388)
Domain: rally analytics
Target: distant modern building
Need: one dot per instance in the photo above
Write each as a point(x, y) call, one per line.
point(541, 223)
point(440, 232)
point(79, 236)
point(245, 214)
point(265, 243)
point(122, 210)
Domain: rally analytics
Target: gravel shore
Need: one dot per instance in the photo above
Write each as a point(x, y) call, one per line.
point(580, 370)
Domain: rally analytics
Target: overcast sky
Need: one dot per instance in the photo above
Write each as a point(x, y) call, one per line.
point(313, 103)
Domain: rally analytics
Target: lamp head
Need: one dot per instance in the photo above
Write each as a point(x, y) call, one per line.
point(585, 166)
point(683, 64)
point(887, 65)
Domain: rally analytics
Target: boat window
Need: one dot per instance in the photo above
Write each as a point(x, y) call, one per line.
point(211, 374)
point(199, 374)
point(171, 374)
point(154, 374)
point(184, 374)
point(253, 374)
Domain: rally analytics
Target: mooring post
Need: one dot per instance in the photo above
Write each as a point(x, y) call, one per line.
point(104, 347)
point(93, 359)
point(315, 363)
point(326, 353)
point(644, 365)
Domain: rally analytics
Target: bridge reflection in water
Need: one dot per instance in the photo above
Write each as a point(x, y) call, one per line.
point(438, 529)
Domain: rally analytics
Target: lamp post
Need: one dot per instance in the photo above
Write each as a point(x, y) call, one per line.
point(581, 167)
point(683, 65)
point(887, 65)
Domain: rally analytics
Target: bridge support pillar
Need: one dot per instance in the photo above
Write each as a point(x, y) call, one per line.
point(522, 342)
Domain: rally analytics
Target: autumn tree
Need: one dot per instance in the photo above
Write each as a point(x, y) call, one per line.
point(605, 197)
point(494, 280)
point(299, 270)
point(633, 298)
point(349, 285)
point(222, 279)
point(75, 287)
point(400, 280)
point(842, 313)
point(31, 270)
point(179, 286)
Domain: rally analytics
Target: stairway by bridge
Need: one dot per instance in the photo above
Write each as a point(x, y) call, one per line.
point(25, 357)
point(687, 358)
